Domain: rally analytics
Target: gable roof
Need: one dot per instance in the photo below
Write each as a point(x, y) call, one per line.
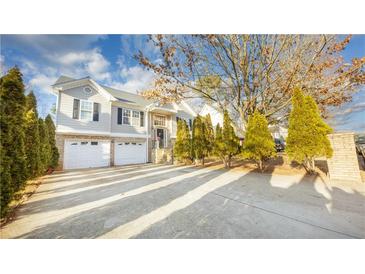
point(63, 79)
point(128, 97)
point(122, 96)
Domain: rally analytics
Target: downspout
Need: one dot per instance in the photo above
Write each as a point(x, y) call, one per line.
point(147, 132)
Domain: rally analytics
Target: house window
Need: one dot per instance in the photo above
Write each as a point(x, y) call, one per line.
point(94, 143)
point(126, 117)
point(159, 120)
point(130, 117)
point(135, 118)
point(86, 110)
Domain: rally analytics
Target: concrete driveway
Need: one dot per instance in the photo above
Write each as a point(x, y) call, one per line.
point(161, 201)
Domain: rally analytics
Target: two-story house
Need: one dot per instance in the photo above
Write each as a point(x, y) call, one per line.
point(99, 126)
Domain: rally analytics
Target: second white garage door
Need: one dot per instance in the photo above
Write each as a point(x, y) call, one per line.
point(86, 153)
point(129, 153)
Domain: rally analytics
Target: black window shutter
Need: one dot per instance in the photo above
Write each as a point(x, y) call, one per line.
point(96, 112)
point(141, 117)
point(120, 113)
point(76, 109)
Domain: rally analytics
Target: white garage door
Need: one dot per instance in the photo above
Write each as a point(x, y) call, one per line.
point(86, 153)
point(129, 153)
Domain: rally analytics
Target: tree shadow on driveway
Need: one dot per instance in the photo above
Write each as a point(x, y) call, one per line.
point(97, 221)
point(265, 206)
point(217, 204)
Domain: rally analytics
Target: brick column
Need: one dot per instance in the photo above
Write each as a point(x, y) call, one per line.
point(60, 144)
point(344, 164)
point(112, 144)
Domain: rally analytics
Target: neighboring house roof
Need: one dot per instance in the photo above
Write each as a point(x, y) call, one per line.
point(217, 117)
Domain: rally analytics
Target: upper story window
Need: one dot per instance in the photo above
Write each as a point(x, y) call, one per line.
point(126, 117)
point(130, 117)
point(135, 117)
point(159, 120)
point(85, 110)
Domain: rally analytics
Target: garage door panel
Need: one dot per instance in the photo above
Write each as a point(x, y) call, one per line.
point(86, 154)
point(129, 153)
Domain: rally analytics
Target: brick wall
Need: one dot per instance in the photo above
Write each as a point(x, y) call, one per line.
point(344, 164)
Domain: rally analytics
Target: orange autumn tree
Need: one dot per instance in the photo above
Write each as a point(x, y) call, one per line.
point(244, 73)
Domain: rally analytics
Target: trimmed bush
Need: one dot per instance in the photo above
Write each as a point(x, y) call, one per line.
point(259, 145)
point(226, 143)
point(182, 147)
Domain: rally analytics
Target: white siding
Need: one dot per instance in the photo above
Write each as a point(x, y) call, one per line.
point(181, 114)
point(65, 122)
point(126, 128)
point(216, 116)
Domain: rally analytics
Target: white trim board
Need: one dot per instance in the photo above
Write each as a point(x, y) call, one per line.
point(101, 133)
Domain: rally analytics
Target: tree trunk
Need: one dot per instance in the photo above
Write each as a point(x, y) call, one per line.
point(313, 165)
point(225, 163)
point(260, 165)
point(203, 161)
point(309, 165)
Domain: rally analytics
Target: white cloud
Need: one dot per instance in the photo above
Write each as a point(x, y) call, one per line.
point(2, 65)
point(42, 82)
point(89, 62)
point(136, 79)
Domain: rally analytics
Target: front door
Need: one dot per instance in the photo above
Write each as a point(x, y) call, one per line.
point(160, 137)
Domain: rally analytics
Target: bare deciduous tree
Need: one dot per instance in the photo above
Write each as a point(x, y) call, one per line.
point(243, 73)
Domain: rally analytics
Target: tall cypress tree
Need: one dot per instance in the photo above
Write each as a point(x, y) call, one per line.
point(259, 144)
point(199, 139)
point(32, 139)
point(13, 158)
point(182, 147)
point(45, 149)
point(218, 149)
point(209, 135)
point(231, 143)
point(52, 142)
point(307, 132)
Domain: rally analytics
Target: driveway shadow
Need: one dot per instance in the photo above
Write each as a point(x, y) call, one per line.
point(90, 195)
point(254, 205)
point(96, 222)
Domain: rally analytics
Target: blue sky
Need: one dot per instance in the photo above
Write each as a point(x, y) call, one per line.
point(109, 60)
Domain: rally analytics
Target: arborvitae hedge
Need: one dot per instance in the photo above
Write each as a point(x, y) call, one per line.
point(52, 142)
point(199, 139)
point(226, 143)
point(23, 153)
point(209, 135)
point(32, 139)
